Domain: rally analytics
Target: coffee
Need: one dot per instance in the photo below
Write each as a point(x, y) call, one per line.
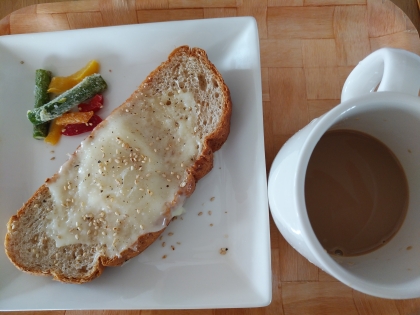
point(356, 193)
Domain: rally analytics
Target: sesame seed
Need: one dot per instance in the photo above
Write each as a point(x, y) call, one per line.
point(117, 213)
point(76, 236)
point(141, 227)
point(182, 184)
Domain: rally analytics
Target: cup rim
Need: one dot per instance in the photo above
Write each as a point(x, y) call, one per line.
point(325, 122)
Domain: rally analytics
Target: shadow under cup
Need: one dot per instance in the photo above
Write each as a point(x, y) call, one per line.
point(392, 270)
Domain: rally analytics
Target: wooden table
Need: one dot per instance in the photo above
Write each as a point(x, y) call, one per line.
point(308, 47)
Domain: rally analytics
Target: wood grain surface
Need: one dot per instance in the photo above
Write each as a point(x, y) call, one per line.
point(308, 47)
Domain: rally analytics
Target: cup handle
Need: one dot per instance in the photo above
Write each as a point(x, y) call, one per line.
point(396, 70)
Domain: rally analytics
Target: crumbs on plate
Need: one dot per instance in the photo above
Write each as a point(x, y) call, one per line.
point(223, 251)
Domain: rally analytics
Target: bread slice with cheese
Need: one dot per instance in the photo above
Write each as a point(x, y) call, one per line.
point(119, 190)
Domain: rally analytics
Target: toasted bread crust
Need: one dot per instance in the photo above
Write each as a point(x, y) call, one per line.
point(200, 168)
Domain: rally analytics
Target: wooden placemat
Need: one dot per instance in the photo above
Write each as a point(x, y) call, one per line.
point(308, 47)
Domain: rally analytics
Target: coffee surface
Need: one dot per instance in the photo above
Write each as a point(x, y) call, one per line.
point(356, 193)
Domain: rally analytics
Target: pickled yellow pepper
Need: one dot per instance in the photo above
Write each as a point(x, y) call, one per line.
point(54, 134)
point(59, 85)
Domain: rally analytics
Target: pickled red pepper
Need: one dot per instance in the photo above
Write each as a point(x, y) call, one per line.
point(95, 104)
point(77, 129)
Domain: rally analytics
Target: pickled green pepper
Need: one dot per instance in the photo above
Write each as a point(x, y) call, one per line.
point(42, 81)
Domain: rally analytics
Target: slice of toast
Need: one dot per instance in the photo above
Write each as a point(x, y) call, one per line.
point(117, 193)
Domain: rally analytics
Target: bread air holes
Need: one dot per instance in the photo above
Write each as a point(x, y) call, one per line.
point(202, 82)
point(83, 269)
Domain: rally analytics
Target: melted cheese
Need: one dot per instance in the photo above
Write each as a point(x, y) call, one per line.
point(120, 183)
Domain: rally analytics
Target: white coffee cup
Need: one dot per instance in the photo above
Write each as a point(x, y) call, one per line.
point(389, 112)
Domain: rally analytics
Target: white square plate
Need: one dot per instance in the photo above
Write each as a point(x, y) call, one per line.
point(194, 274)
